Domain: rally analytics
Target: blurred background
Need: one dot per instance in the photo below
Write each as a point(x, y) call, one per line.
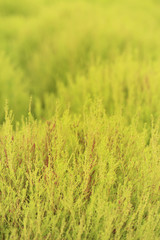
point(69, 51)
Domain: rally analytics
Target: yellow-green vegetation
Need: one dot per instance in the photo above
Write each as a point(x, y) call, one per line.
point(83, 162)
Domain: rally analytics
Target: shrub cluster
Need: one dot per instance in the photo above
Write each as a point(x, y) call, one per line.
point(44, 44)
point(84, 162)
point(79, 177)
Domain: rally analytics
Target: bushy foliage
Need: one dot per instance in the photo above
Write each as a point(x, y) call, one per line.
point(79, 177)
point(84, 162)
point(12, 88)
point(51, 42)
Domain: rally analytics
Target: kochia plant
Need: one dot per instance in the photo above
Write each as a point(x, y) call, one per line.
point(79, 177)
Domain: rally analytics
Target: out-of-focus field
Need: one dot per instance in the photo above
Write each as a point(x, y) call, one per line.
point(72, 50)
point(80, 153)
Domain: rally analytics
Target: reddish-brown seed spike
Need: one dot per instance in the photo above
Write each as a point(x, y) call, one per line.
point(46, 161)
point(93, 144)
point(54, 125)
point(33, 148)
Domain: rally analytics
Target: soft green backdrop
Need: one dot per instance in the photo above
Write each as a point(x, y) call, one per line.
point(71, 50)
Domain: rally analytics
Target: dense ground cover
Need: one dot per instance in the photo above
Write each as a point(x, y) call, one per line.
point(81, 159)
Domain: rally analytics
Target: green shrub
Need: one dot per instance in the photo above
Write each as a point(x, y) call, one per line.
point(79, 177)
point(85, 163)
point(64, 38)
point(12, 88)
